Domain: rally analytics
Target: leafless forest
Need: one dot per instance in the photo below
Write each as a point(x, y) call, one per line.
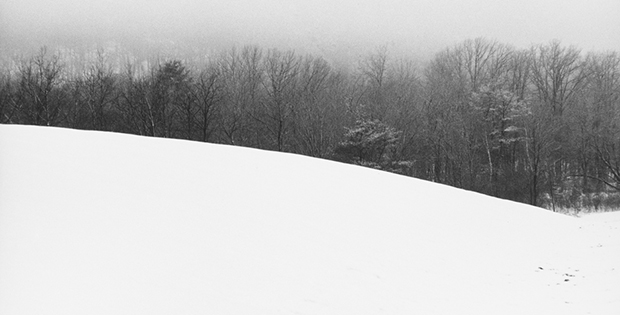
point(538, 125)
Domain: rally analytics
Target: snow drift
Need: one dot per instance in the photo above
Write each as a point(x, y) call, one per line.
point(100, 223)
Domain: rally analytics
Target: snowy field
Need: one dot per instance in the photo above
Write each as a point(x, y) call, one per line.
point(101, 223)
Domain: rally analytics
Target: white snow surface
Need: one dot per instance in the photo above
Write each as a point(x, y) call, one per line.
point(103, 223)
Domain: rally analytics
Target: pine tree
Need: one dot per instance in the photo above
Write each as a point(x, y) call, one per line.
point(370, 143)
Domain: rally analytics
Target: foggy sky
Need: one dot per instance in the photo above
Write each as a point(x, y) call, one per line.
point(419, 26)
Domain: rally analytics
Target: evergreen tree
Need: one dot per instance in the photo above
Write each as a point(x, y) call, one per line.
point(370, 143)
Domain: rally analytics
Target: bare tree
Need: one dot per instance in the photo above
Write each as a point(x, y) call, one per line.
point(131, 103)
point(597, 119)
point(7, 98)
point(241, 77)
point(518, 73)
point(371, 84)
point(319, 112)
point(483, 61)
point(558, 73)
point(40, 97)
point(208, 95)
point(280, 84)
point(98, 92)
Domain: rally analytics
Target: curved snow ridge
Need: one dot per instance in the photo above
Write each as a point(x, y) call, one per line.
point(102, 223)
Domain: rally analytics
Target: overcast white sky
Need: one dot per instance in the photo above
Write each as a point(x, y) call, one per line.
point(417, 25)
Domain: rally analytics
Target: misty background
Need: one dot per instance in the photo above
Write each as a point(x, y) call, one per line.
point(334, 29)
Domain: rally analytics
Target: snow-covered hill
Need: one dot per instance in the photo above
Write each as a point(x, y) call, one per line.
point(100, 223)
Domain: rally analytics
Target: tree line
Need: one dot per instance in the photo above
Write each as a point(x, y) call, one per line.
point(539, 125)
